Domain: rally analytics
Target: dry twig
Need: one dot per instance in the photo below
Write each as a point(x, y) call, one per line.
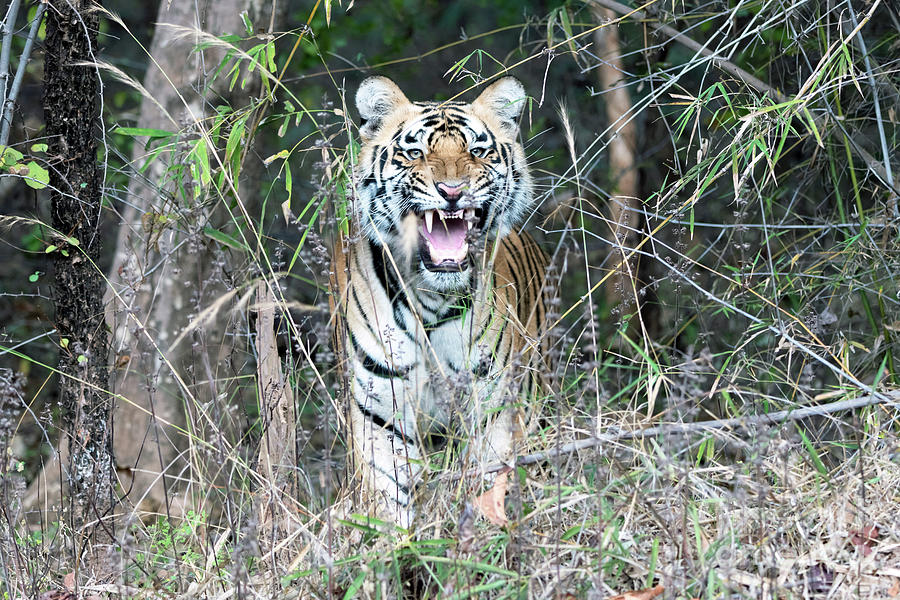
point(776, 418)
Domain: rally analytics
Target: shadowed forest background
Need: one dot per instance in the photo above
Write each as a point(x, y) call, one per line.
point(716, 185)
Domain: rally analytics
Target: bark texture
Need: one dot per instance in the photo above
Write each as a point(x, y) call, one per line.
point(71, 113)
point(277, 455)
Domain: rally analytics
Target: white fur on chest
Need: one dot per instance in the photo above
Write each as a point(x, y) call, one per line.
point(432, 363)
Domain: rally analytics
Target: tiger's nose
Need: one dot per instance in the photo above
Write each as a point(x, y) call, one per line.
point(450, 193)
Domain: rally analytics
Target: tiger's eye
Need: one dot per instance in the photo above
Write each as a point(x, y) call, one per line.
point(413, 154)
point(479, 152)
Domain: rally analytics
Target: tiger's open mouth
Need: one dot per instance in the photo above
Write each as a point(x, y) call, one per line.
point(444, 238)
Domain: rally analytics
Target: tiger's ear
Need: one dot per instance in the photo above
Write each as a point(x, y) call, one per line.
point(376, 98)
point(504, 98)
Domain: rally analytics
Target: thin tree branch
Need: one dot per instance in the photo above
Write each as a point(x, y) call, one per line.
point(776, 418)
point(7, 29)
point(10, 99)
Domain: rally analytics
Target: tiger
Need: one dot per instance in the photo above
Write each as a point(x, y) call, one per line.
point(436, 285)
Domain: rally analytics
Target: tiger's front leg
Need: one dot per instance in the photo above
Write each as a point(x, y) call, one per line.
point(505, 355)
point(386, 451)
point(498, 421)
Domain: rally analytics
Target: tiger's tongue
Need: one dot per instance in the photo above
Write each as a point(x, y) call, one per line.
point(447, 240)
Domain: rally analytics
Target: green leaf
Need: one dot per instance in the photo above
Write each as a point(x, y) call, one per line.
point(567, 28)
point(82, 359)
point(248, 26)
point(154, 154)
point(50, 248)
point(880, 373)
point(270, 57)
point(551, 25)
point(284, 125)
point(224, 238)
point(235, 72)
point(813, 128)
point(312, 220)
point(34, 276)
point(811, 450)
point(203, 161)
point(234, 140)
point(39, 147)
point(73, 241)
point(288, 180)
point(355, 586)
point(9, 156)
point(64, 342)
point(654, 557)
point(142, 132)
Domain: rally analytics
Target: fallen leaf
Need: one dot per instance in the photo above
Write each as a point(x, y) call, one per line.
point(865, 538)
point(490, 503)
point(69, 581)
point(895, 589)
point(641, 594)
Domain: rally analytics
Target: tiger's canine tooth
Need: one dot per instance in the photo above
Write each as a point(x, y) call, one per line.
point(429, 220)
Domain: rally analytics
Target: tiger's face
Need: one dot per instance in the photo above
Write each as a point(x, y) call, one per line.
point(434, 179)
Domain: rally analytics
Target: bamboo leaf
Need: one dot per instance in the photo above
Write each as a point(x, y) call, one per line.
point(224, 239)
point(202, 157)
point(142, 132)
point(248, 25)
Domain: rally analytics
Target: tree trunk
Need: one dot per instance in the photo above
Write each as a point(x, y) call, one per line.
point(71, 114)
point(279, 424)
point(167, 272)
point(627, 286)
point(623, 203)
